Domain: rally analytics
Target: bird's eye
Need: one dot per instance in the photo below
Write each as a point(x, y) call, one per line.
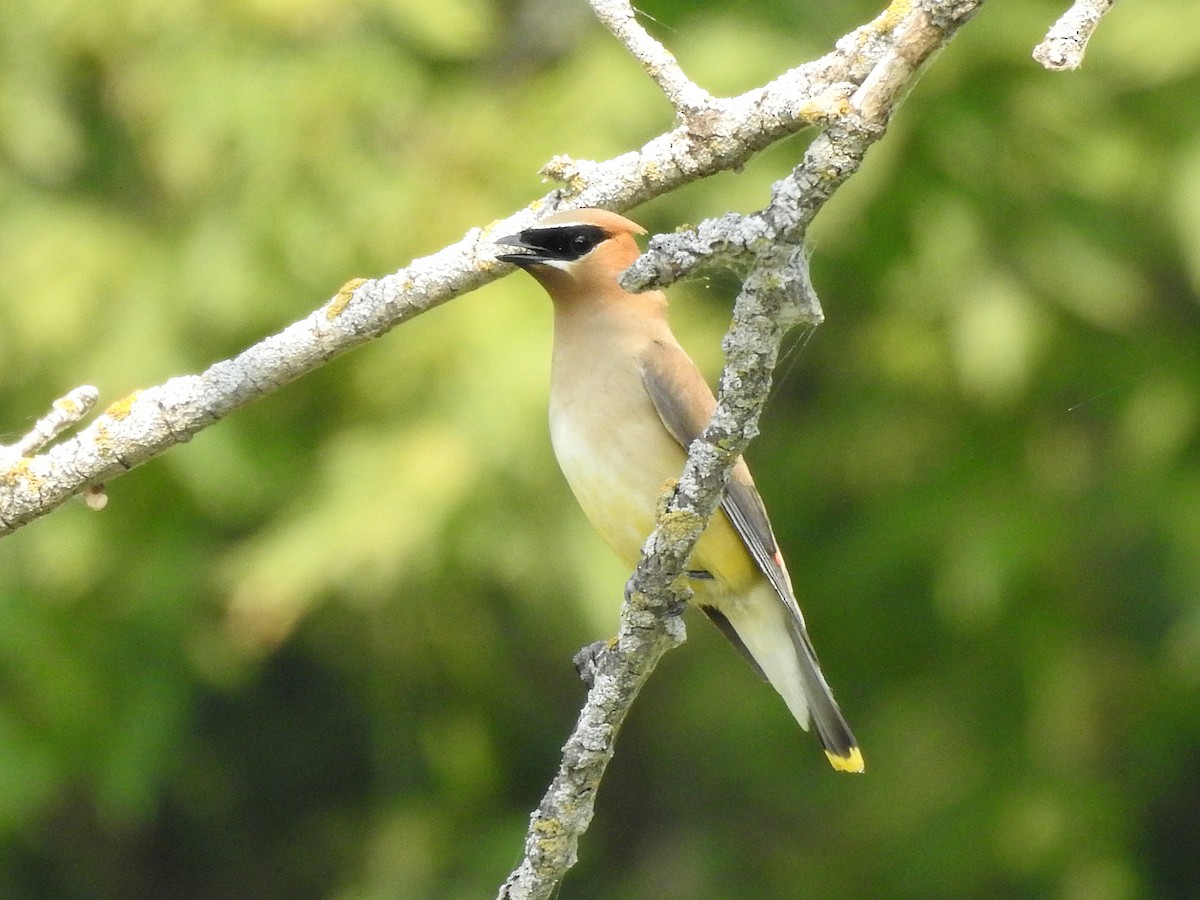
point(565, 242)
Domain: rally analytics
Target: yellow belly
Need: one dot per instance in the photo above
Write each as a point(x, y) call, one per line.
point(617, 474)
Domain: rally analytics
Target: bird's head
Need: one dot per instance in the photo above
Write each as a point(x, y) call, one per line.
point(575, 248)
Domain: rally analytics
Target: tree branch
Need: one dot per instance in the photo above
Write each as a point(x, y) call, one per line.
point(145, 424)
point(776, 294)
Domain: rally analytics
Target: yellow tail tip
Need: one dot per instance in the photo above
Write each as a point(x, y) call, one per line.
point(851, 762)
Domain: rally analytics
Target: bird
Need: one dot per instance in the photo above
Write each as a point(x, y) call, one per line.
point(625, 402)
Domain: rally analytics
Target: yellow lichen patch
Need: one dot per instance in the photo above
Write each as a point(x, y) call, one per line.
point(890, 17)
point(551, 835)
point(342, 298)
point(851, 762)
point(19, 472)
point(101, 437)
point(67, 405)
point(884, 23)
point(560, 168)
point(121, 408)
point(665, 495)
point(821, 111)
point(679, 524)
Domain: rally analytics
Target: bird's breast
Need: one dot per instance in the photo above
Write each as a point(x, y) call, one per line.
point(614, 452)
point(617, 457)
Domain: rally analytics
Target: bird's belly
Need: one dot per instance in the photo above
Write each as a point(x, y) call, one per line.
point(616, 474)
point(618, 468)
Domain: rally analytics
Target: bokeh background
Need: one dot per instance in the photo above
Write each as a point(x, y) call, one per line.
point(324, 649)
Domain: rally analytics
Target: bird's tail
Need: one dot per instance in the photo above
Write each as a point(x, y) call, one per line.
point(778, 645)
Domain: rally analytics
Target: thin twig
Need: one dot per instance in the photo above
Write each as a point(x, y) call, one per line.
point(64, 412)
point(685, 95)
point(1067, 40)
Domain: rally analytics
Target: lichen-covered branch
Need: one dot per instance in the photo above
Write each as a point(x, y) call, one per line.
point(833, 156)
point(776, 294)
point(1067, 40)
point(724, 135)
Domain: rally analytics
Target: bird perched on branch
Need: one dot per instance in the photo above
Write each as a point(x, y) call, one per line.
point(625, 403)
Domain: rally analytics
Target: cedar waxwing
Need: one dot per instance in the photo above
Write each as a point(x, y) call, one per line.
point(625, 403)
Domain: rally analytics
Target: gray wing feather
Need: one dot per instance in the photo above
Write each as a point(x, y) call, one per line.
point(685, 403)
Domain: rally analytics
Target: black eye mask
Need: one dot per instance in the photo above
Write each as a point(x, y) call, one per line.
point(557, 243)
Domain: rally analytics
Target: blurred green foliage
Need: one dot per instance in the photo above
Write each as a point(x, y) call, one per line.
point(324, 650)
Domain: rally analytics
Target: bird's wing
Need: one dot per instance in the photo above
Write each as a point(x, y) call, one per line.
point(685, 403)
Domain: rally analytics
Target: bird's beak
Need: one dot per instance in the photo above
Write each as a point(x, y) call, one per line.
point(533, 257)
